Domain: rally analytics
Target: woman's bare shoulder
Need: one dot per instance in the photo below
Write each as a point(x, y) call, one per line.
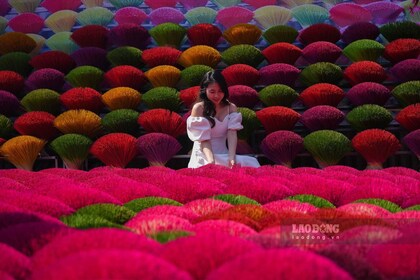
point(197, 109)
point(232, 108)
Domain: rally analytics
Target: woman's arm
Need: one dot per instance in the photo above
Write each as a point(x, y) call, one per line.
point(197, 111)
point(232, 138)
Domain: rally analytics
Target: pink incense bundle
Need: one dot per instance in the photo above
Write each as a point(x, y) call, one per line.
point(189, 96)
point(241, 74)
point(365, 71)
point(412, 141)
point(155, 4)
point(157, 148)
point(46, 78)
point(9, 104)
point(384, 12)
point(26, 23)
point(322, 94)
point(204, 34)
point(53, 59)
point(161, 56)
point(282, 53)
point(58, 5)
point(360, 30)
point(191, 4)
point(376, 146)
point(163, 121)
point(115, 149)
point(38, 124)
point(91, 56)
point(129, 35)
point(260, 3)
point(321, 52)
point(279, 73)
point(166, 14)
point(409, 117)
point(406, 70)
point(91, 36)
point(82, 98)
point(322, 117)
point(125, 76)
point(231, 16)
point(243, 96)
point(345, 14)
point(131, 15)
point(368, 93)
point(282, 146)
point(277, 118)
point(319, 32)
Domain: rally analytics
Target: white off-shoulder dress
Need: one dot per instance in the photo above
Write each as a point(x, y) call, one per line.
point(199, 129)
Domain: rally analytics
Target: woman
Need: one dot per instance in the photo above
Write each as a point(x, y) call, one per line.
point(214, 120)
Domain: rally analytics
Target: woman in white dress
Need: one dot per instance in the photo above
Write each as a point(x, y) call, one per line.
point(213, 122)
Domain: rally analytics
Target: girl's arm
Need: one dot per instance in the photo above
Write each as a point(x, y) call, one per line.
point(232, 138)
point(197, 111)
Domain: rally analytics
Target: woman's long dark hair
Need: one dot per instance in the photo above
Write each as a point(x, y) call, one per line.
point(210, 77)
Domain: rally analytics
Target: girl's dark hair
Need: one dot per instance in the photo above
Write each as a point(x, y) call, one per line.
point(210, 77)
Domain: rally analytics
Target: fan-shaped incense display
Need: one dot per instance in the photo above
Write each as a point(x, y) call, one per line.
point(42, 100)
point(95, 15)
point(327, 147)
point(231, 16)
point(58, 5)
point(17, 62)
point(162, 97)
point(369, 116)
point(409, 117)
point(201, 15)
point(319, 32)
point(243, 54)
point(364, 49)
point(279, 73)
point(188, 96)
point(278, 95)
point(157, 148)
point(412, 141)
point(53, 59)
point(399, 30)
point(368, 93)
point(277, 118)
point(93, 3)
point(384, 12)
point(9, 103)
point(406, 70)
point(4, 7)
point(6, 127)
point(61, 41)
point(191, 4)
point(45, 78)
point(115, 149)
point(125, 56)
point(125, 76)
point(61, 21)
point(122, 98)
point(163, 76)
point(280, 33)
point(166, 14)
point(163, 121)
point(3, 24)
point(270, 16)
point(37, 124)
point(26, 23)
point(132, 15)
point(22, 151)
point(345, 14)
point(321, 72)
point(365, 71)
point(242, 33)
point(322, 94)
point(322, 117)
point(91, 56)
point(204, 34)
point(161, 56)
point(192, 75)
point(16, 42)
point(122, 120)
point(27, 6)
point(160, 3)
point(91, 36)
point(407, 93)
point(309, 14)
point(168, 34)
point(243, 96)
point(282, 53)
point(129, 35)
point(82, 98)
point(358, 31)
point(376, 146)
point(125, 3)
point(11, 81)
point(282, 147)
point(402, 49)
point(321, 52)
point(203, 55)
point(85, 76)
point(79, 122)
point(241, 74)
